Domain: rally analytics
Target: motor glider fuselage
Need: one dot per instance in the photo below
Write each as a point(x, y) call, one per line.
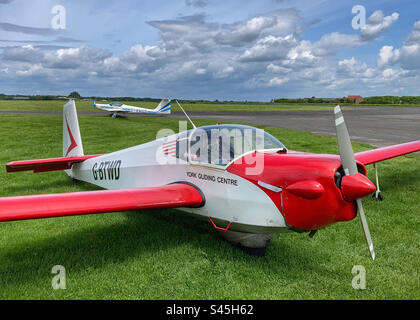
point(118, 108)
point(291, 191)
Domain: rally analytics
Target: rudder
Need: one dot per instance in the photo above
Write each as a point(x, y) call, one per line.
point(72, 141)
point(164, 106)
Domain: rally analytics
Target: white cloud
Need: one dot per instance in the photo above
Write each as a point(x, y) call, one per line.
point(270, 48)
point(276, 23)
point(301, 54)
point(389, 73)
point(408, 56)
point(228, 69)
point(387, 55)
point(330, 43)
point(351, 66)
point(192, 56)
point(200, 71)
point(277, 81)
point(277, 69)
point(369, 73)
point(74, 58)
point(376, 24)
point(26, 53)
point(35, 69)
point(414, 37)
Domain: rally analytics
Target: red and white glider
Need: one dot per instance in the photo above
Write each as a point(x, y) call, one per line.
point(240, 178)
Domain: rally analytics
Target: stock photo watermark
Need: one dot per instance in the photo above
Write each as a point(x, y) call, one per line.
point(58, 20)
point(58, 282)
point(218, 145)
point(359, 280)
point(359, 20)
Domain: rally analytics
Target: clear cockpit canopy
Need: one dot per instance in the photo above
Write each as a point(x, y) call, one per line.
point(220, 144)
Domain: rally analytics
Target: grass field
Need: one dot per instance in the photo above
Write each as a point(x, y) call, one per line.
point(168, 255)
point(56, 105)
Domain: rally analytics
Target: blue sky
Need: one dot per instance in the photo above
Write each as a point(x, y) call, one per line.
point(204, 49)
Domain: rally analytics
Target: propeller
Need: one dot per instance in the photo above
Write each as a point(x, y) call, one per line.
point(350, 169)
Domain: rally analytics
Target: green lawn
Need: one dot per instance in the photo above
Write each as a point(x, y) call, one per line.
point(168, 255)
point(57, 105)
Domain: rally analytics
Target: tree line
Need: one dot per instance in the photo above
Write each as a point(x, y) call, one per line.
point(385, 100)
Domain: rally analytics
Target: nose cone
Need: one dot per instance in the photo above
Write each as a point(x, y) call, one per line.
point(356, 186)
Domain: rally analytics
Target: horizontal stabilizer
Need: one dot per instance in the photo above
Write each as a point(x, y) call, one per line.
point(381, 154)
point(43, 165)
point(89, 202)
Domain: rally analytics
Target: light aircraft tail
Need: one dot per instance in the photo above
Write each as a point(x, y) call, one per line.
point(164, 107)
point(72, 142)
point(72, 148)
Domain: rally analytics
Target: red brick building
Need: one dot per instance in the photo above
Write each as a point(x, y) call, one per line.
point(355, 99)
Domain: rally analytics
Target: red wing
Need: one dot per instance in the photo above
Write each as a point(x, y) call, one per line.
point(42, 165)
point(78, 203)
point(380, 154)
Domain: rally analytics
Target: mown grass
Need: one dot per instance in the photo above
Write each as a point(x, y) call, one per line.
point(56, 105)
point(165, 254)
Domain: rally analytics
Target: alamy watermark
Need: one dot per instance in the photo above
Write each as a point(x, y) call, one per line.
point(359, 280)
point(359, 20)
point(59, 280)
point(217, 145)
point(58, 20)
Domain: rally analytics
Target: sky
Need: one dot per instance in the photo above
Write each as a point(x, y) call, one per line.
point(210, 49)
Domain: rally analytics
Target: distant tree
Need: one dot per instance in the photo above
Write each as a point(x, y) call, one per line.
point(74, 95)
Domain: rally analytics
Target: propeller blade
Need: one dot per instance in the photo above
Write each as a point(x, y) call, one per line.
point(344, 144)
point(365, 228)
point(350, 168)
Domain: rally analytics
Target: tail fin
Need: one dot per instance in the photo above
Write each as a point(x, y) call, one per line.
point(164, 107)
point(72, 142)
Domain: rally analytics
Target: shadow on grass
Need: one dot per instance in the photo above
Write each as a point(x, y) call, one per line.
point(140, 235)
point(43, 187)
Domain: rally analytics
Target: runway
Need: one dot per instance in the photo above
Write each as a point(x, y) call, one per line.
point(378, 126)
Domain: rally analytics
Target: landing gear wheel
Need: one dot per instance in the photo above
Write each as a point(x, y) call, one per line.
point(377, 196)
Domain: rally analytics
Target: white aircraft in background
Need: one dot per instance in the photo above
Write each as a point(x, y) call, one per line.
point(116, 108)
